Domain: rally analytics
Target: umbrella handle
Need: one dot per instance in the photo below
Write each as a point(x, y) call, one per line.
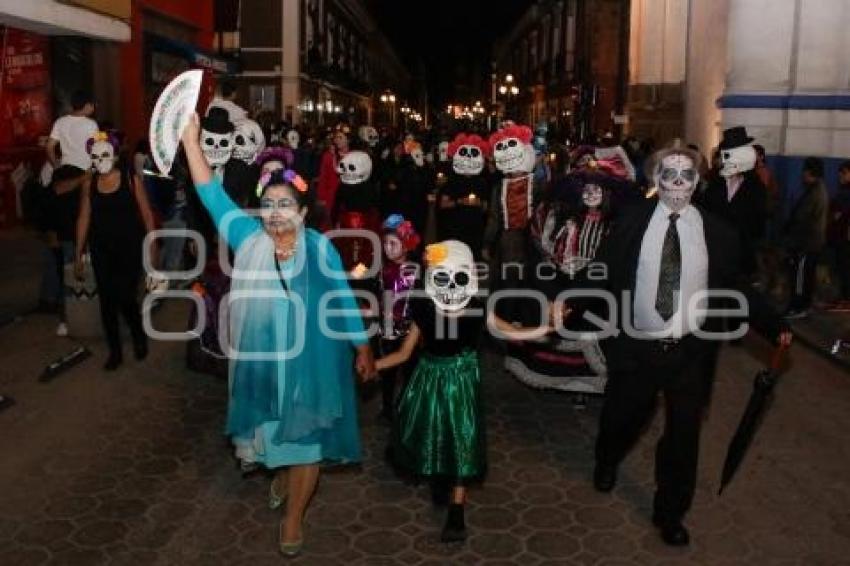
point(778, 354)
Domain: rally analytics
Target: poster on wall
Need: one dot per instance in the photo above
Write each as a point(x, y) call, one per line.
point(25, 94)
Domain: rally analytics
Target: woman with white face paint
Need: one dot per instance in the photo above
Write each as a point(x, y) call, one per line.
point(112, 202)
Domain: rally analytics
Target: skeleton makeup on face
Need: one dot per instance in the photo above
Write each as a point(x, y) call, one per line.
point(591, 196)
point(355, 168)
point(248, 141)
point(737, 160)
point(393, 247)
point(676, 178)
point(293, 139)
point(102, 157)
point(468, 160)
point(369, 135)
point(451, 280)
point(217, 147)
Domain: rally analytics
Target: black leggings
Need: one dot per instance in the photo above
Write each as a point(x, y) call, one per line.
point(117, 270)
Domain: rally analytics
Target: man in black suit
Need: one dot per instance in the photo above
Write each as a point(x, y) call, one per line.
point(661, 259)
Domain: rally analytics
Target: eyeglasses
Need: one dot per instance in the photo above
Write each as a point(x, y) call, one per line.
point(669, 175)
point(285, 203)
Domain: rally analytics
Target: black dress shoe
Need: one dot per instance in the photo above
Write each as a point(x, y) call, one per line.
point(604, 477)
point(673, 532)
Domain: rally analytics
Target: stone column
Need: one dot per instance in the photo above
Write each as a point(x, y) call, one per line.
point(290, 64)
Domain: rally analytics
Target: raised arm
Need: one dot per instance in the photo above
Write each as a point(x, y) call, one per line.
point(234, 224)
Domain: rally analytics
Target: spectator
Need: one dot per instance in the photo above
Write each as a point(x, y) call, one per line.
point(774, 197)
point(329, 178)
point(839, 229)
point(805, 237)
point(226, 100)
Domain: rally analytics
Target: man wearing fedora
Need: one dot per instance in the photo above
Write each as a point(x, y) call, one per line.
point(738, 197)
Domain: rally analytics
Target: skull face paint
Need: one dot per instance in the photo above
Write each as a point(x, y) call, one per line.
point(102, 157)
point(418, 156)
point(355, 168)
point(217, 147)
point(676, 178)
point(451, 282)
point(369, 135)
point(468, 160)
point(591, 196)
point(737, 160)
point(293, 139)
point(248, 141)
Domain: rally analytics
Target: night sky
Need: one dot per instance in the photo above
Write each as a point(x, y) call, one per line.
point(451, 40)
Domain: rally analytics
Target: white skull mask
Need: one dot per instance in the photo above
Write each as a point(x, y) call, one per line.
point(369, 135)
point(513, 156)
point(443, 151)
point(293, 139)
point(418, 156)
point(217, 147)
point(102, 157)
point(676, 178)
point(468, 160)
point(591, 195)
point(737, 160)
point(248, 141)
point(355, 168)
point(452, 282)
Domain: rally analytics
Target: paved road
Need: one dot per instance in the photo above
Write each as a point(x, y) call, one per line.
point(130, 468)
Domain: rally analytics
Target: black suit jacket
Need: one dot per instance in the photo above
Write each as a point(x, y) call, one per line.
point(620, 252)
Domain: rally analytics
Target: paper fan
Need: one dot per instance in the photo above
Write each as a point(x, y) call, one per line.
point(170, 116)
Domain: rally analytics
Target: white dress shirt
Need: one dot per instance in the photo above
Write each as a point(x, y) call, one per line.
point(693, 280)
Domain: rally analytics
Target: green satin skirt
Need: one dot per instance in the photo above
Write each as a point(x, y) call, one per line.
point(439, 426)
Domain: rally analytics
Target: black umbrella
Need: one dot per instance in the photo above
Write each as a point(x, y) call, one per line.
point(759, 401)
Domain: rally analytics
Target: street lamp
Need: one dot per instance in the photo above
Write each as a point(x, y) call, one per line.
point(389, 99)
point(508, 89)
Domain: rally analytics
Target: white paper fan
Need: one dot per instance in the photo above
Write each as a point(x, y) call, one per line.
point(170, 116)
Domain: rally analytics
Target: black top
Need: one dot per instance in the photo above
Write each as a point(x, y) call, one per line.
point(447, 335)
point(115, 216)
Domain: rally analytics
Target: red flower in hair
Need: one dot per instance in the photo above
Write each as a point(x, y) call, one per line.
point(522, 133)
point(408, 236)
point(469, 139)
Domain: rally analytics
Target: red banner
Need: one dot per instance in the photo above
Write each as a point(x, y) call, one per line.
point(25, 88)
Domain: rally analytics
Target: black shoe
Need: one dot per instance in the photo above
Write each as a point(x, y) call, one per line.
point(140, 349)
point(455, 528)
point(673, 532)
point(440, 491)
point(604, 477)
point(113, 362)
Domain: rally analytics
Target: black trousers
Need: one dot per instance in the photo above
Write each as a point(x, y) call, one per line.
point(638, 372)
point(117, 270)
point(803, 278)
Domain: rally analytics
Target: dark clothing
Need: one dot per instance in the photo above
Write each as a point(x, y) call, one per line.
point(805, 230)
point(115, 241)
point(415, 184)
point(464, 222)
point(746, 213)
point(444, 335)
point(240, 181)
point(65, 208)
point(803, 272)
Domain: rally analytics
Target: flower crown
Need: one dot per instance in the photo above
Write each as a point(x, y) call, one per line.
point(396, 224)
point(279, 176)
point(102, 136)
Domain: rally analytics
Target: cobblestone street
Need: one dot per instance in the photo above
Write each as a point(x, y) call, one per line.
point(131, 468)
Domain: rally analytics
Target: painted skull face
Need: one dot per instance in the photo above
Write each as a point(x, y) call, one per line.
point(513, 156)
point(591, 196)
point(468, 160)
point(355, 168)
point(393, 247)
point(217, 147)
point(369, 135)
point(293, 139)
point(452, 282)
point(418, 156)
point(102, 157)
point(737, 160)
point(248, 141)
point(676, 178)
point(443, 151)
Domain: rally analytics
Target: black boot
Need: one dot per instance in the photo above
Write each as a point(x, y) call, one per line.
point(455, 528)
point(140, 347)
point(113, 361)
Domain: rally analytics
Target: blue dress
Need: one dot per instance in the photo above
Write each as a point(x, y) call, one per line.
point(293, 328)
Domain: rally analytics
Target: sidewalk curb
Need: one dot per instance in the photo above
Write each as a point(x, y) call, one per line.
point(819, 349)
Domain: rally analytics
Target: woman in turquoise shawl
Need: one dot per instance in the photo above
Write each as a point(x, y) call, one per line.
point(294, 327)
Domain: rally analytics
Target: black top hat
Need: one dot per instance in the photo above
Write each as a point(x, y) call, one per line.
point(735, 137)
point(217, 121)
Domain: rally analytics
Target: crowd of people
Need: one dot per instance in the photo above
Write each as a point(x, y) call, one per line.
point(461, 217)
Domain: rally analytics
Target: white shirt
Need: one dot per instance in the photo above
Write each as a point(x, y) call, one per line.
point(693, 280)
point(72, 133)
point(234, 111)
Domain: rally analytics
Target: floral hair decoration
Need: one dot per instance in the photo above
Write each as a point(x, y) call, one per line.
point(279, 176)
point(103, 137)
point(396, 224)
point(436, 254)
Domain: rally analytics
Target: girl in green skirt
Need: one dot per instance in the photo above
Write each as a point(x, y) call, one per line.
point(440, 427)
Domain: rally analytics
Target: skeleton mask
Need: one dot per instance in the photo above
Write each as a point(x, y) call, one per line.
point(468, 160)
point(217, 147)
point(293, 138)
point(102, 157)
point(418, 156)
point(737, 160)
point(451, 281)
point(513, 156)
point(443, 151)
point(369, 135)
point(355, 168)
point(591, 196)
point(248, 141)
point(676, 178)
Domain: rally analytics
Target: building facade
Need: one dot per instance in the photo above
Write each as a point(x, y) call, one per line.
point(567, 58)
point(314, 61)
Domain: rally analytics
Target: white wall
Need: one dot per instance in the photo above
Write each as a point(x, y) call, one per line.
point(658, 41)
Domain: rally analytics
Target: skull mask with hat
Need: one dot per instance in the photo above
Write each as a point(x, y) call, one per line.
point(217, 137)
point(736, 152)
